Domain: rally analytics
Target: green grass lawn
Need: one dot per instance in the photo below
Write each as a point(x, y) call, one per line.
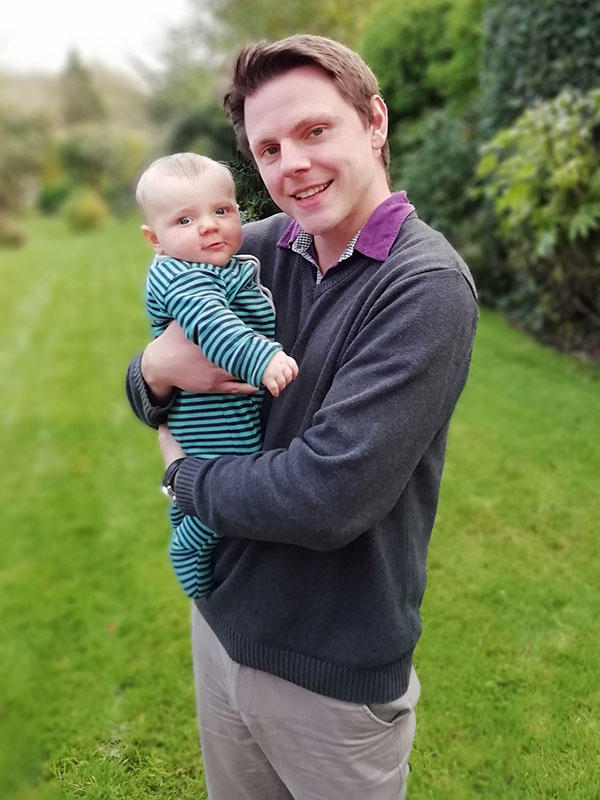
point(96, 698)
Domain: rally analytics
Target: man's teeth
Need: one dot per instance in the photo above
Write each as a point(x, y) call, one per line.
point(311, 191)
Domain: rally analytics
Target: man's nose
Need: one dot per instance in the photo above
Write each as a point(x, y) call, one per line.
point(293, 158)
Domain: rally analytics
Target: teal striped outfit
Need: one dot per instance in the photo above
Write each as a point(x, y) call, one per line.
point(231, 317)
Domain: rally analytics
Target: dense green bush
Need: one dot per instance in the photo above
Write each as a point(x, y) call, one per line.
point(543, 177)
point(437, 172)
point(52, 195)
point(253, 199)
point(439, 176)
point(85, 209)
point(533, 49)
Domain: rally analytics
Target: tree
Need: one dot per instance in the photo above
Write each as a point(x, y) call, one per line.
point(401, 43)
point(81, 101)
point(223, 25)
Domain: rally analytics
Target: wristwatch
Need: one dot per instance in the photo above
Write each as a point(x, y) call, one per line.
point(168, 481)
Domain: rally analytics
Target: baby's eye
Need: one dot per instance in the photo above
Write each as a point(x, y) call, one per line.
point(184, 220)
point(221, 211)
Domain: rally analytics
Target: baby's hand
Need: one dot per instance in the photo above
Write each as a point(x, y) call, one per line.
point(281, 370)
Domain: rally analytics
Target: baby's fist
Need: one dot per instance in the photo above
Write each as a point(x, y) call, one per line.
point(281, 370)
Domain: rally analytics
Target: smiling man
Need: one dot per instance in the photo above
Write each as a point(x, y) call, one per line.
point(303, 652)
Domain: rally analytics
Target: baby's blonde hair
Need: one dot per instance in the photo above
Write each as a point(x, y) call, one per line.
point(186, 166)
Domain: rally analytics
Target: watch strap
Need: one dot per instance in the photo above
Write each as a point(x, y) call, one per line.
point(168, 481)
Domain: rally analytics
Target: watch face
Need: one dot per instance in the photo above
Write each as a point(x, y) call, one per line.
point(168, 492)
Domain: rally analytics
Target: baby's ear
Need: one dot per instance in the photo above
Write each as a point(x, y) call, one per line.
point(152, 238)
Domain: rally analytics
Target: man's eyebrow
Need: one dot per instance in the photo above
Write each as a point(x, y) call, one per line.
point(306, 122)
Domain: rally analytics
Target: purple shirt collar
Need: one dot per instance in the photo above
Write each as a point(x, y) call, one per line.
point(378, 233)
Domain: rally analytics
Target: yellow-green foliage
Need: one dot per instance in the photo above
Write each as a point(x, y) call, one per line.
point(542, 176)
point(85, 209)
point(11, 234)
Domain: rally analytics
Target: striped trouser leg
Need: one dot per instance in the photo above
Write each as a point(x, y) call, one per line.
point(190, 553)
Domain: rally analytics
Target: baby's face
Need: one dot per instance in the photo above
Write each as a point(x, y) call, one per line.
point(195, 219)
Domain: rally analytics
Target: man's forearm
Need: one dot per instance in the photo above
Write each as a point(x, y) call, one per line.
point(145, 405)
point(160, 390)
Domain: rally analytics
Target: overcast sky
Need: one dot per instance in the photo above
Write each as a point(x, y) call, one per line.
point(36, 35)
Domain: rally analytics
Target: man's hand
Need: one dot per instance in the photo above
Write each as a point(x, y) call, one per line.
point(281, 370)
point(173, 360)
point(168, 445)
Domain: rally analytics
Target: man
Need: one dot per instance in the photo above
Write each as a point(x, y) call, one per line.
point(303, 651)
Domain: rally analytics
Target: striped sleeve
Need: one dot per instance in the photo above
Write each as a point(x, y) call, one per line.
point(198, 303)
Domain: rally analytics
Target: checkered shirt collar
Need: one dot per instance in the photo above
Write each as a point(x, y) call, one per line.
point(302, 245)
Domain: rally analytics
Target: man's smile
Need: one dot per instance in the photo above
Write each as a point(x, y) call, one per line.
point(312, 191)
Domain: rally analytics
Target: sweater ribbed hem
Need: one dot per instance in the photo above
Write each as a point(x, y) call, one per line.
point(379, 684)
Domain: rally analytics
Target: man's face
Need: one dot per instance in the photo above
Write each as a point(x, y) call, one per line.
point(319, 160)
point(195, 219)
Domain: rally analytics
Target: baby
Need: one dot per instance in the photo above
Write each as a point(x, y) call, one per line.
point(193, 224)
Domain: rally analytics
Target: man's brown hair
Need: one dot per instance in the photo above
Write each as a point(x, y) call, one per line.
point(258, 63)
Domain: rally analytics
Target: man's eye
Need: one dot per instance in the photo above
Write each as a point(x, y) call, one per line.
point(184, 220)
point(317, 131)
point(271, 150)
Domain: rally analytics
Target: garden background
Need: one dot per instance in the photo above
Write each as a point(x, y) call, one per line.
point(495, 133)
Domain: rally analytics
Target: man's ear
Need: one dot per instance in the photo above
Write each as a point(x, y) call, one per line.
point(152, 238)
point(379, 122)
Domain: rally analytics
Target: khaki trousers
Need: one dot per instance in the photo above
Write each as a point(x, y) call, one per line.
point(264, 738)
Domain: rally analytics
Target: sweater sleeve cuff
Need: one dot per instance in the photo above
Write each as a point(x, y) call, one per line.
point(142, 403)
point(184, 485)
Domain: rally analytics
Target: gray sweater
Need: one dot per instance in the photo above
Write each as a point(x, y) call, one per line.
point(322, 568)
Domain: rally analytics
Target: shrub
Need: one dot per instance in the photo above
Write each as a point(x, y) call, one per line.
point(532, 51)
point(52, 195)
point(437, 173)
point(109, 160)
point(24, 141)
point(85, 209)
point(253, 198)
point(204, 130)
point(543, 177)
point(11, 234)
point(129, 151)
